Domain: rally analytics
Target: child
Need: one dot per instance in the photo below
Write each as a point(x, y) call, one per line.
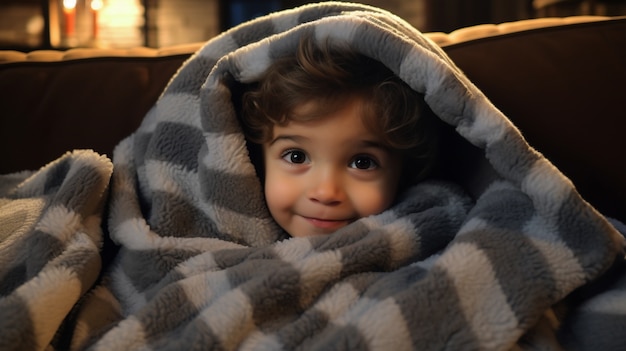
point(340, 136)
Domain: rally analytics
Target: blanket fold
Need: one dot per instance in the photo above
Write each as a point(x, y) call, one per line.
point(50, 245)
point(202, 264)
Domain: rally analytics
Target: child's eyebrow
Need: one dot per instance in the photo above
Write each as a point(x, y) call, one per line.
point(371, 143)
point(365, 143)
point(374, 144)
point(288, 137)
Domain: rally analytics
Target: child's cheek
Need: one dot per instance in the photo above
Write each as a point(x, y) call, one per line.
point(280, 192)
point(371, 204)
point(373, 198)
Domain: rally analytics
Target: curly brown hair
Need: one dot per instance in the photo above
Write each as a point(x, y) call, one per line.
point(329, 75)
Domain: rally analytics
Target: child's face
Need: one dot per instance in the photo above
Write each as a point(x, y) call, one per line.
point(323, 174)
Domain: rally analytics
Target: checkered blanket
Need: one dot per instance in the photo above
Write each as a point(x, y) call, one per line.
point(508, 257)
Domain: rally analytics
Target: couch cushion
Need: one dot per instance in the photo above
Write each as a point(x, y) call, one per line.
point(49, 108)
point(565, 88)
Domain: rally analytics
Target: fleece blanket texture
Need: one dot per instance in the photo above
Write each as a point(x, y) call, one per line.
point(190, 257)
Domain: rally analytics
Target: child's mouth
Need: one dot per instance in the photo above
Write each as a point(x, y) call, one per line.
point(328, 224)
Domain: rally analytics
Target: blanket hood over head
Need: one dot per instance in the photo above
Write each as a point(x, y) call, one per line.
point(194, 125)
point(203, 265)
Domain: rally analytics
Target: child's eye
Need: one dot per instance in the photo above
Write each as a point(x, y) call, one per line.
point(364, 163)
point(295, 156)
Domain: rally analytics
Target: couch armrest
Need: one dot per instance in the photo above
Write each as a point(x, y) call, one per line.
point(490, 30)
point(11, 56)
point(442, 39)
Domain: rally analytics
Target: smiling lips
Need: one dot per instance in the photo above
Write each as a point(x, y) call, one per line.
point(328, 224)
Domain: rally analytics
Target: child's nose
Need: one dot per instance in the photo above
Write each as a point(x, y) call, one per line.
point(327, 188)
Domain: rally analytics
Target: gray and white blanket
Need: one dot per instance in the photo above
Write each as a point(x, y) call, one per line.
point(190, 258)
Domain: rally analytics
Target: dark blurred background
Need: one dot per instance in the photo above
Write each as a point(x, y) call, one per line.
point(27, 25)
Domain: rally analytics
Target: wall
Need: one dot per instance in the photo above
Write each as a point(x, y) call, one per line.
point(173, 22)
point(24, 23)
point(21, 24)
point(181, 21)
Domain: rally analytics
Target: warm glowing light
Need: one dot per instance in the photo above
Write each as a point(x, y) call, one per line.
point(69, 4)
point(69, 12)
point(119, 23)
point(122, 13)
point(97, 5)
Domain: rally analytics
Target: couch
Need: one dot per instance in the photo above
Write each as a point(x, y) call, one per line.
point(171, 246)
point(562, 81)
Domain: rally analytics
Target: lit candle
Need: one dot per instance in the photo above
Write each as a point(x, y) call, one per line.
point(69, 12)
point(96, 5)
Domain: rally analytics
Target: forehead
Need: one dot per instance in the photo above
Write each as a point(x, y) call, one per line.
point(347, 121)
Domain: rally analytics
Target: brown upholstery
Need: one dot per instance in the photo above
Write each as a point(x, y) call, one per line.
point(565, 88)
point(49, 108)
